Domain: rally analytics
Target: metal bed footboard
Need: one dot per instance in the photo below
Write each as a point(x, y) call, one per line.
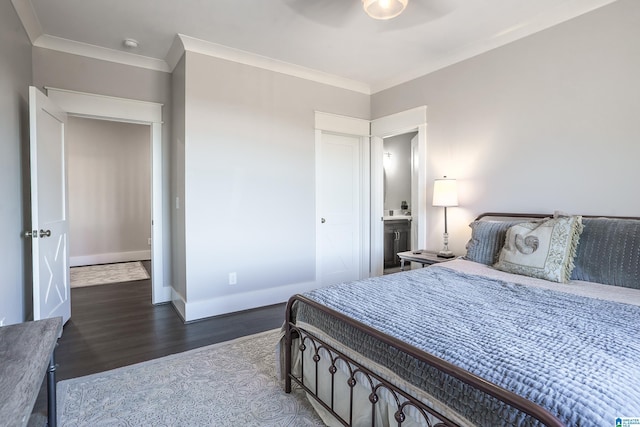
point(376, 384)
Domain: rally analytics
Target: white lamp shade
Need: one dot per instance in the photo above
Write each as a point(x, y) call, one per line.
point(384, 9)
point(445, 192)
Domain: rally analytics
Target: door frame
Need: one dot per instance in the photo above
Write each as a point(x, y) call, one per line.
point(87, 105)
point(413, 120)
point(415, 170)
point(352, 127)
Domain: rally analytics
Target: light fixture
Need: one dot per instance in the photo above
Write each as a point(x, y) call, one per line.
point(387, 163)
point(384, 9)
point(445, 194)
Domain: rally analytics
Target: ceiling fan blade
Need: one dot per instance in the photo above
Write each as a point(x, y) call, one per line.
point(332, 13)
point(419, 12)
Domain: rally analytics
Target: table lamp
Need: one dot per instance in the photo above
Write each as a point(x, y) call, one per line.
point(445, 194)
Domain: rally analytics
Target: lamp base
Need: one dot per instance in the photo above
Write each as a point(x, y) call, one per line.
point(446, 254)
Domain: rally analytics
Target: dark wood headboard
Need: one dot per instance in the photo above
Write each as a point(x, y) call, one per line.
point(539, 215)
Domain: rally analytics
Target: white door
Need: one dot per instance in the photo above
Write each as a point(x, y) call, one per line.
point(338, 198)
point(49, 222)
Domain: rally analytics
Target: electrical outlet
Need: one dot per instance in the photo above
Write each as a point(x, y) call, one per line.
point(233, 278)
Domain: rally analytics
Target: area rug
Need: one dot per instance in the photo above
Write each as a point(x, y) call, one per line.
point(103, 274)
point(233, 383)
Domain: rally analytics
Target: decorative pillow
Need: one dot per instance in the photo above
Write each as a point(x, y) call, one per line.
point(545, 250)
point(487, 238)
point(609, 252)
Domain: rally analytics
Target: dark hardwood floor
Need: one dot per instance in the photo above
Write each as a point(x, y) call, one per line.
point(116, 325)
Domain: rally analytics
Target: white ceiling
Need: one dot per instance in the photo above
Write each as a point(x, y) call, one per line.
point(333, 39)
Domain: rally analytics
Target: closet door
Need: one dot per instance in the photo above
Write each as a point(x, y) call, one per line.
point(339, 224)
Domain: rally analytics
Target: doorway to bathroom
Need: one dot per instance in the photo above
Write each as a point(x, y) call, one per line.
point(404, 122)
point(400, 175)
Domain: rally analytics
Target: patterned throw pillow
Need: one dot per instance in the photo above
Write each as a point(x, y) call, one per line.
point(542, 249)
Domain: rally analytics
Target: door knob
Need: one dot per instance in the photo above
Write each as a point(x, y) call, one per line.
point(44, 233)
point(322, 220)
point(30, 234)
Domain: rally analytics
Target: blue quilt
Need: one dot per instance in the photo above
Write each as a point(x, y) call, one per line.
point(577, 357)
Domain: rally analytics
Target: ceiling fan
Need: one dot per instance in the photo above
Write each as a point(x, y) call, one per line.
point(392, 14)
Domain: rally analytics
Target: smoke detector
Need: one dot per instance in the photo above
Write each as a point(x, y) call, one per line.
point(130, 43)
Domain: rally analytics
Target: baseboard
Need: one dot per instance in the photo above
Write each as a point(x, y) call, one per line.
point(237, 302)
point(178, 303)
point(109, 258)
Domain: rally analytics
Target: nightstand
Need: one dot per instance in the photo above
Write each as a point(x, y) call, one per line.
point(423, 257)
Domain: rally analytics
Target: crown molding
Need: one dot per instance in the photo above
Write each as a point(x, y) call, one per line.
point(29, 19)
point(83, 49)
point(192, 44)
point(562, 13)
point(182, 43)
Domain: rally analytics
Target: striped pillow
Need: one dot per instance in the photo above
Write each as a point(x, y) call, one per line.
point(609, 252)
point(487, 239)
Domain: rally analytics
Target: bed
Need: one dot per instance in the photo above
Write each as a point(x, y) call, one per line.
point(481, 340)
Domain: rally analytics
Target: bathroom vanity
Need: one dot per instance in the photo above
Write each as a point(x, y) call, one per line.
point(397, 238)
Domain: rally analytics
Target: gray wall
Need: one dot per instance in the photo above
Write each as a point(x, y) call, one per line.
point(249, 181)
point(15, 78)
point(109, 188)
point(546, 123)
point(73, 72)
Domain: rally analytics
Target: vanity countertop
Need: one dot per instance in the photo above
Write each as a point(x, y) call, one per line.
point(398, 218)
